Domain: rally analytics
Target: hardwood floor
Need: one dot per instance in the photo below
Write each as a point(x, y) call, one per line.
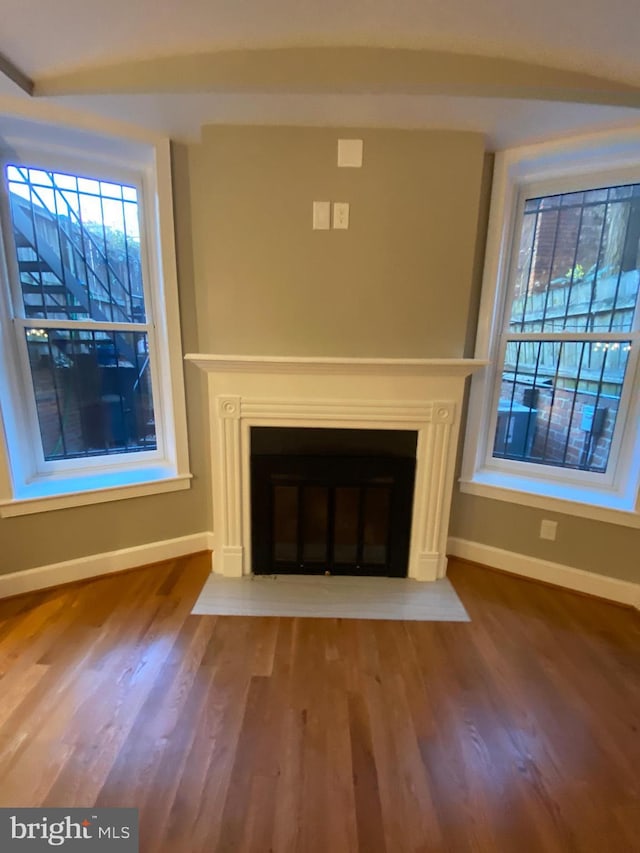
point(515, 732)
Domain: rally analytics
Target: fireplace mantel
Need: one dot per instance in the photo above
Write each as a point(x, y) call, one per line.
point(424, 395)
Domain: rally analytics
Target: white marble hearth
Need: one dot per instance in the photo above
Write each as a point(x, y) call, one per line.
point(424, 395)
point(331, 598)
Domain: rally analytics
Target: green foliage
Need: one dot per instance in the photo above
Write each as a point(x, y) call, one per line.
point(576, 273)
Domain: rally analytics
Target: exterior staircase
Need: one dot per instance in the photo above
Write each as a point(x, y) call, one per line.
point(49, 286)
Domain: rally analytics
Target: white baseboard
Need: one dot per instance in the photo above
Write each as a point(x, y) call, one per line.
point(613, 589)
point(42, 577)
point(103, 564)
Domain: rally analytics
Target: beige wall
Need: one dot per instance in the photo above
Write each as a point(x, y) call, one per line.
point(50, 537)
point(254, 278)
point(397, 283)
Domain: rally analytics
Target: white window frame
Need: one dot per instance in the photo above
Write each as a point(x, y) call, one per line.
point(28, 483)
point(602, 160)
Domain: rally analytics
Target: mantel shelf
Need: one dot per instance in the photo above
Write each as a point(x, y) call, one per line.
point(213, 363)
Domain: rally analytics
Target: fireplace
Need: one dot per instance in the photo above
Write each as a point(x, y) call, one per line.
point(419, 396)
point(330, 501)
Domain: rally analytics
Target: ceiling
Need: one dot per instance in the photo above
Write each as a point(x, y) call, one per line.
point(156, 64)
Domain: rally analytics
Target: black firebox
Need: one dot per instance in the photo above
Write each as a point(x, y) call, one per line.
point(343, 506)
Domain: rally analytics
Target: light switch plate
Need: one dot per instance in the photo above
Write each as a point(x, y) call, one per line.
point(341, 215)
point(350, 153)
point(321, 215)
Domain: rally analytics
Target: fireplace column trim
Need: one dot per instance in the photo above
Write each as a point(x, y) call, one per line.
point(230, 467)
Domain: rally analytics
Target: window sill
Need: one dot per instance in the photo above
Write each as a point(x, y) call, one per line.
point(62, 493)
point(596, 505)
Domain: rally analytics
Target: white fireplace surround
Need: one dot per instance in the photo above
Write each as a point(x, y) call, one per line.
point(423, 395)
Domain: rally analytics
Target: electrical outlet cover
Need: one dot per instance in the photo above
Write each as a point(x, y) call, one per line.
point(548, 529)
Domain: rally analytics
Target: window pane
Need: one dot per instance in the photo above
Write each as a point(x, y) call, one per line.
point(92, 391)
point(577, 267)
point(78, 246)
point(559, 402)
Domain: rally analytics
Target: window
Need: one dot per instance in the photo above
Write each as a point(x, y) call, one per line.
point(555, 416)
point(78, 259)
point(91, 402)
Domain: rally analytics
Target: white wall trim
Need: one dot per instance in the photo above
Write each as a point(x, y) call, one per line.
point(105, 563)
point(96, 565)
point(612, 589)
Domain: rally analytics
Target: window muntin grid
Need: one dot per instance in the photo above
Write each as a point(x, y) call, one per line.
point(78, 246)
point(577, 265)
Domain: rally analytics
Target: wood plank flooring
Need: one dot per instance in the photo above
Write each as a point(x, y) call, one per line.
point(515, 732)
